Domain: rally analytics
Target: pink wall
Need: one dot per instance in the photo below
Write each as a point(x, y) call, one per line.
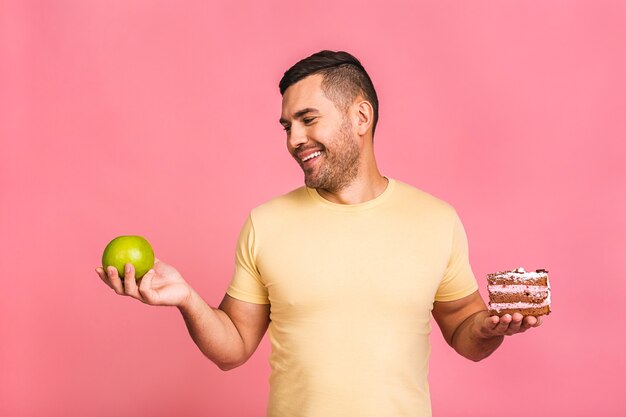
point(154, 118)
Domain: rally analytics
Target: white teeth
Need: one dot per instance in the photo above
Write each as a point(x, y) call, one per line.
point(313, 155)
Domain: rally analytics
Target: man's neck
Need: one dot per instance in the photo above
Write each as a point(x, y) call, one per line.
point(359, 191)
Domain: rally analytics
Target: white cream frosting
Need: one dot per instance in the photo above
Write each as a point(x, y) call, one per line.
point(510, 289)
point(520, 274)
point(524, 275)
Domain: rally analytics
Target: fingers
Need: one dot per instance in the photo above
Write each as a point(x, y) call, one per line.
point(531, 321)
point(121, 286)
point(516, 324)
point(503, 324)
point(103, 275)
point(108, 277)
point(130, 284)
point(508, 324)
point(111, 278)
point(148, 294)
point(491, 322)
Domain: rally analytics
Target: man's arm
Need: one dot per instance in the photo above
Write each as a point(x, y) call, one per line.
point(227, 335)
point(471, 331)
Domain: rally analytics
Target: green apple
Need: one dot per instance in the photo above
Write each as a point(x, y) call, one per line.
point(129, 249)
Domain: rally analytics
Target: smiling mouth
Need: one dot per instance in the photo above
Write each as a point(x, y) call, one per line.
point(313, 155)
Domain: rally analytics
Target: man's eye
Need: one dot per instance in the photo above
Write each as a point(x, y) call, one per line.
point(308, 119)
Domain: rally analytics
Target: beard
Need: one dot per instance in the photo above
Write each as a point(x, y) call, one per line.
point(340, 164)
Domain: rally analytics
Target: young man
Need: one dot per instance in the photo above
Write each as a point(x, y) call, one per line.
point(345, 271)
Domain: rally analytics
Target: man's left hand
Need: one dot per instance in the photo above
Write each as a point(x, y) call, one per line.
point(508, 325)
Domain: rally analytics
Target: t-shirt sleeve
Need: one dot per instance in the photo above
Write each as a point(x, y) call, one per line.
point(246, 283)
point(458, 280)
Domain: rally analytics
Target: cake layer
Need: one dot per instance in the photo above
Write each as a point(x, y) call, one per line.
point(539, 311)
point(515, 298)
point(507, 280)
point(518, 304)
point(518, 277)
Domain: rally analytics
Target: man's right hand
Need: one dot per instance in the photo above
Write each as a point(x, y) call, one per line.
point(162, 285)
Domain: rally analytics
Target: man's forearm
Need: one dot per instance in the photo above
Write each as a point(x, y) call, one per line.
point(469, 342)
point(213, 332)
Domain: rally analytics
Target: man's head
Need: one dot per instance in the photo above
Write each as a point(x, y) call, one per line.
point(328, 118)
point(343, 79)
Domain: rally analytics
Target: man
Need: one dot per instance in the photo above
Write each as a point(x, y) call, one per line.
point(346, 270)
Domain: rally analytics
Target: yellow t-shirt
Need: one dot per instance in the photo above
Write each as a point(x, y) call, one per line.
point(351, 289)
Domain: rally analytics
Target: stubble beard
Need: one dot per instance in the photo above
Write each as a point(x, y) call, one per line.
point(340, 165)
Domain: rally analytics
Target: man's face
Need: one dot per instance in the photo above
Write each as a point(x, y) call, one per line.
point(319, 136)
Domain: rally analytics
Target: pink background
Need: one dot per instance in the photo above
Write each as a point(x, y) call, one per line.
point(160, 118)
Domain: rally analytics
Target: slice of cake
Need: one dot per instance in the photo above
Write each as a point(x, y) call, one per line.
point(518, 291)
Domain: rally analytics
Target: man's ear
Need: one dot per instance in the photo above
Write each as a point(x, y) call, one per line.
point(365, 117)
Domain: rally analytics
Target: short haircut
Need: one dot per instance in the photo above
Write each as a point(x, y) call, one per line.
point(344, 78)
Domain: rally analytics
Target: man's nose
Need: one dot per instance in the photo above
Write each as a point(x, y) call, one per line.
point(297, 136)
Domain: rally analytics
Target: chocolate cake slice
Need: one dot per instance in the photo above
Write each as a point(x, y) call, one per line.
point(518, 291)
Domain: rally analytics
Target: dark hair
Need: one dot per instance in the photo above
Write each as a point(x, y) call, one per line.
point(344, 78)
